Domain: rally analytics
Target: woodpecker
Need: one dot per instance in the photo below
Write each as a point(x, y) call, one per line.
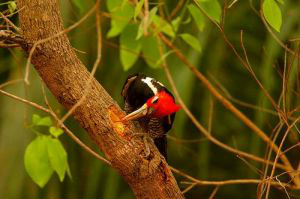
point(152, 105)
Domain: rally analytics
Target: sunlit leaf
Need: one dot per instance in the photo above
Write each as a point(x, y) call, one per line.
point(212, 8)
point(130, 47)
point(197, 16)
point(152, 14)
point(187, 20)
point(160, 61)
point(35, 119)
point(58, 157)
point(175, 23)
point(112, 5)
point(12, 6)
point(138, 8)
point(272, 14)
point(142, 24)
point(121, 15)
point(140, 30)
point(192, 41)
point(39, 121)
point(36, 161)
point(163, 26)
point(56, 132)
point(45, 121)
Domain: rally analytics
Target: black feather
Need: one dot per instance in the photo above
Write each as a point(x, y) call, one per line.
point(161, 144)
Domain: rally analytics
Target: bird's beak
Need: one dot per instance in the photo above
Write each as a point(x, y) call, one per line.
point(141, 112)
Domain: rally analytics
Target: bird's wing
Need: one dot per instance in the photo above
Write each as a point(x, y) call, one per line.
point(128, 82)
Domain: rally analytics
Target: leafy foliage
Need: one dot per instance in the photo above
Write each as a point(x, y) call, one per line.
point(163, 26)
point(39, 121)
point(212, 8)
point(56, 132)
point(121, 14)
point(57, 157)
point(197, 15)
point(130, 47)
point(12, 6)
point(272, 13)
point(138, 8)
point(45, 154)
point(192, 41)
point(151, 51)
point(37, 162)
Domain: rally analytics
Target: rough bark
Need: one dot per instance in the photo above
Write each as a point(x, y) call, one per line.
point(66, 77)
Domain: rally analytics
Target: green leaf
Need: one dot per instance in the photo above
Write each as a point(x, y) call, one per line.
point(45, 121)
point(175, 23)
point(187, 21)
point(152, 14)
point(35, 119)
point(160, 61)
point(151, 51)
point(163, 26)
point(39, 121)
point(140, 31)
point(56, 132)
point(212, 8)
point(58, 157)
point(192, 41)
point(112, 5)
point(36, 161)
point(142, 24)
point(130, 47)
point(12, 6)
point(121, 14)
point(138, 8)
point(272, 14)
point(197, 16)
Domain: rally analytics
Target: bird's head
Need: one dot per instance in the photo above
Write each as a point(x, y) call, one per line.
point(160, 105)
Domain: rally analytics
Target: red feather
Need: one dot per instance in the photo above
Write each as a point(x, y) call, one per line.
point(164, 106)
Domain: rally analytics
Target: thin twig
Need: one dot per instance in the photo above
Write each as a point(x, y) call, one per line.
point(200, 127)
point(227, 104)
point(214, 192)
point(278, 154)
point(10, 83)
point(177, 8)
point(234, 182)
point(9, 22)
point(189, 188)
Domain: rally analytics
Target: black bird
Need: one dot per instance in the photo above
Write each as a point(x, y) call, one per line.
point(151, 104)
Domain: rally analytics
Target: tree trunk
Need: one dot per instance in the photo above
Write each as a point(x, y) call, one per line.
point(66, 77)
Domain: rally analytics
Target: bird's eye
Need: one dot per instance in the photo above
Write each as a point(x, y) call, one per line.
point(155, 100)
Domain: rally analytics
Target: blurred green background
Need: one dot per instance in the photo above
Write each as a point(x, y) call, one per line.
point(188, 149)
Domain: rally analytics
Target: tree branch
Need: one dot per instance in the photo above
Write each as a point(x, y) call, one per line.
point(66, 77)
